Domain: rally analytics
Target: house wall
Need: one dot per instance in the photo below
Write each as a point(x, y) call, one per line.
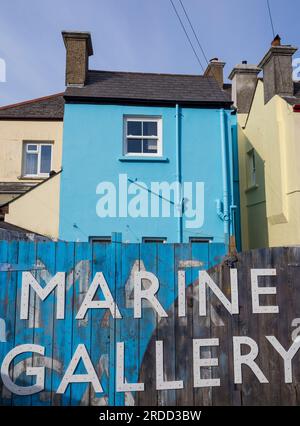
point(93, 143)
point(38, 210)
point(12, 135)
point(270, 210)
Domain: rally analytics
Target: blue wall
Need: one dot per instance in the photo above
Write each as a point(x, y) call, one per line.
point(92, 150)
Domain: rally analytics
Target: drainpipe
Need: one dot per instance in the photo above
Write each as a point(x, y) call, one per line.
point(226, 212)
point(178, 175)
point(233, 207)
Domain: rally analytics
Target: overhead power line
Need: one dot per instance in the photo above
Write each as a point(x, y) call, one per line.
point(194, 32)
point(271, 18)
point(191, 43)
point(187, 36)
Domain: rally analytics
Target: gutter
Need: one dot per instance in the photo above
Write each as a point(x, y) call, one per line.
point(233, 206)
point(85, 99)
point(225, 214)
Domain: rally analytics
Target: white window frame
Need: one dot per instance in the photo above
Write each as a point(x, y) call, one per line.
point(140, 118)
point(39, 146)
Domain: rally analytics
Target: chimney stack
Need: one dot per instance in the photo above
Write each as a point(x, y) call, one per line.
point(277, 68)
point(215, 69)
point(79, 48)
point(244, 80)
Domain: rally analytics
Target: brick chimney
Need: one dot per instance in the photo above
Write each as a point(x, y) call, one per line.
point(78, 48)
point(244, 80)
point(215, 69)
point(277, 68)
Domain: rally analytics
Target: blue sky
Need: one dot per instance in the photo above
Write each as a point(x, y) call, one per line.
point(132, 35)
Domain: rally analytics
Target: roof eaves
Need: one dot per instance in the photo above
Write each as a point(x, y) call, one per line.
point(136, 101)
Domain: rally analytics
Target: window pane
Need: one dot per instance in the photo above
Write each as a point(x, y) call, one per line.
point(46, 159)
point(134, 128)
point(134, 146)
point(32, 148)
point(149, 128)
point(31, 164)
point(150, 146)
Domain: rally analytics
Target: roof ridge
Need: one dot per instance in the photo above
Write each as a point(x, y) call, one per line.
point(30, 101)
point(151, 73)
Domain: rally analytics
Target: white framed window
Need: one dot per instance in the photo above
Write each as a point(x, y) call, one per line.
point(37, 159)
point(251, 168)
point(143, 136)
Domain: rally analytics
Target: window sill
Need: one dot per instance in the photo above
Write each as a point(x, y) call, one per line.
point(141, 159)
point(251, 188)
point(33, 177)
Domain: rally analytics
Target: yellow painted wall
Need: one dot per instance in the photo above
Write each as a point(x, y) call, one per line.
point(270, 211)
point(12, 135)
point(38, 210)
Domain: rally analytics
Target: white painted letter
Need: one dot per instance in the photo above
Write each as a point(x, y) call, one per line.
point(161, 384)
point(148, 294)
point(206, 362)
point(80, 354)
point(89, 303)
point(204, 279)
point(39, 372)
point(286, 355)
point(122, 385)
point(248, 359)
point(28, 281)
point(256, 291)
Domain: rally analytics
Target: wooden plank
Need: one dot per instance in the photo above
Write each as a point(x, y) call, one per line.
point(100, 332)
point(201, 325)
point(286, 300)
point(128, 327)
point(269, 359)
point(24, 329)
point(43, 320)
point(293, 258)
point(62, 330)
point(147, 331)
point(8, 283)
point(184, 332)
point(80, 392)
point(166, 326)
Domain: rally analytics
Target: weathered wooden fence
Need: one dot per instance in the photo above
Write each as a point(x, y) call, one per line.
point(100, 333)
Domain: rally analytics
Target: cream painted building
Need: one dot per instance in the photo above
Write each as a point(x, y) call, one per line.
point(269, 149)
point(30, 144)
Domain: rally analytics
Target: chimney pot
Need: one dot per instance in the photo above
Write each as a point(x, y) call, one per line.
point(276, 41)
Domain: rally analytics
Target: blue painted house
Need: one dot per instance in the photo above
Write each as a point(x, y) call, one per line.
point(150, 156)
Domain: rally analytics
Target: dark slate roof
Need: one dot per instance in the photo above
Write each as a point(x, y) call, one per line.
point(227, 87)
point(109, 86)
point(11, 232)
point(15, 187)
point(46, 108)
